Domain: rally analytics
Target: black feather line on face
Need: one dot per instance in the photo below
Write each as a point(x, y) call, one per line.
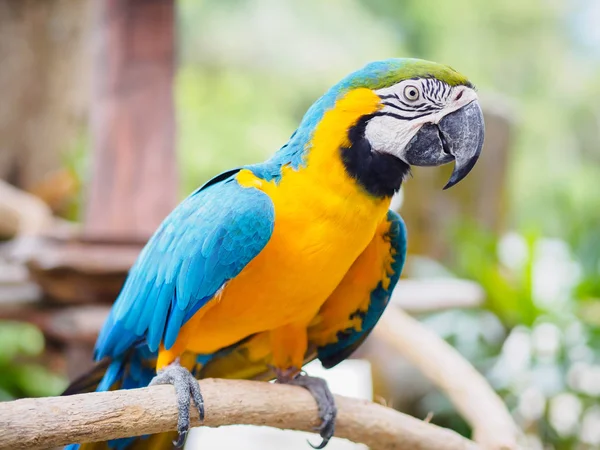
point(380, 174)
point(426, 109)
point(398, 116)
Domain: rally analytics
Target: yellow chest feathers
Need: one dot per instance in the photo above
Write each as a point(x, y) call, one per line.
point(323, 221)
point(321, 192)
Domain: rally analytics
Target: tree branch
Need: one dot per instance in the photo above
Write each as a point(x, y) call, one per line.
point(493, 426)
point(56, 421)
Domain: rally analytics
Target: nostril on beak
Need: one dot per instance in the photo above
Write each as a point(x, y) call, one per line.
point(445, 146)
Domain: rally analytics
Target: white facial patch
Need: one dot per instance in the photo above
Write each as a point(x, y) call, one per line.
point(407, 106)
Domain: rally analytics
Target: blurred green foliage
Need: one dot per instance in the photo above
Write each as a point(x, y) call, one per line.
point(537, 338)
point(20, 343)
point(222, 125)
point(508, 294)
point(75, 162)
point(252, 68)
point(548, 374)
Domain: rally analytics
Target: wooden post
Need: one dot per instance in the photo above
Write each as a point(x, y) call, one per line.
point(133, 179)
point(44, 85)
point(133, 183)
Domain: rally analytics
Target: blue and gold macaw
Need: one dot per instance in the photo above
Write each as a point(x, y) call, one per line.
point(271, 265)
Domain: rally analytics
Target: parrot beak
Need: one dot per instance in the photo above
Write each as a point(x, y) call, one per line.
point(458, 136)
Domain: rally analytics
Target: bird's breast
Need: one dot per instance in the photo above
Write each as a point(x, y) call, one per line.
point(314, 242)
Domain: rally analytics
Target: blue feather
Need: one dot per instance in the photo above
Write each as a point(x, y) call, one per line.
point(176, 319)
point(112, 374)
point(206, 241)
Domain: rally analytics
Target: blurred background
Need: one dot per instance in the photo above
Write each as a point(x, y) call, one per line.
point(111, 111)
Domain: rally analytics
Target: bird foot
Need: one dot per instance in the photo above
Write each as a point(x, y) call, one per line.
point(185, 386)
point(325, 402)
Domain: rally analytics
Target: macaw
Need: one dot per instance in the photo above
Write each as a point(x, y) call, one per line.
point(271, 265)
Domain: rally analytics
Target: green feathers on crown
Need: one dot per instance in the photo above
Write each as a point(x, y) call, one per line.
point(385, 73)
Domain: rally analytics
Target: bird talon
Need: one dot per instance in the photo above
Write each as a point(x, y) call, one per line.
point(180, 439)
point(186, 389)
point(325, 402)
point(320, 446)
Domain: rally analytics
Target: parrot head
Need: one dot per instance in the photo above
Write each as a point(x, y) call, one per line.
point(411, 113)
point(429, 116)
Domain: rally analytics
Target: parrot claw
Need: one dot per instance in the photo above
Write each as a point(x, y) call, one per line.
point(325, 402)
point(185, 386)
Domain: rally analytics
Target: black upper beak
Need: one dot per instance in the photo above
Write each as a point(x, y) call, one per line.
point(458, 136)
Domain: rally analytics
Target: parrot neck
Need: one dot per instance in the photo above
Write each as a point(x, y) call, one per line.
point(331, 147)
point(380, 174)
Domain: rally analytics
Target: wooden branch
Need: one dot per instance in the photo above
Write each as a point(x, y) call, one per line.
point(425, 295)
point(493, 426)
point(21, 212)
point(56, 421)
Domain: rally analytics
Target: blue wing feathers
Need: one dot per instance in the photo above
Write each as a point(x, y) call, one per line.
point(175, 322)
point(113, 373)
point(156, 326)
point(208, 239)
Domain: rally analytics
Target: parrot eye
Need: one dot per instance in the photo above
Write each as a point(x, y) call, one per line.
point(411, 93)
